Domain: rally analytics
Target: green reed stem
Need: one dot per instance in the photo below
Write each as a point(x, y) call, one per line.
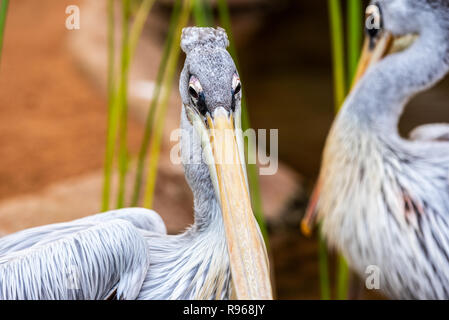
point(138, 24)
point(342, 278)
point(3, 13)
point(111, 51)
point(340, 94)
point(155, 144)
point(252, 169)
point(202, 13)
point(132, 38)
point(354, 29)
point(355, 35)
point(122, 100)
point(336, 28)
point(325, 287)
point(110, 136)
point(153, 106)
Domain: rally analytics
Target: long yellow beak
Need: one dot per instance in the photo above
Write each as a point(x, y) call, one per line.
point(372, 53)
point(246, 247)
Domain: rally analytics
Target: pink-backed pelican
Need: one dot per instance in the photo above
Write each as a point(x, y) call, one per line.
point(126, 254)
point(383, 200)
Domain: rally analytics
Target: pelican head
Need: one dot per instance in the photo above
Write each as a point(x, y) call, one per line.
point(212, 152)
point(394, 25)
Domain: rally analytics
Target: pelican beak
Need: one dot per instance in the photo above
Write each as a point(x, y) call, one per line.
point(310, 217)
point(223, 150)
point(246, 247)
point(374, 50)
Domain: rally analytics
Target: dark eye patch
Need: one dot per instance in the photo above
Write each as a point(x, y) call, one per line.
point(233, 104)
point(372, 32)
point(237, 89)
point(201, 104)
point(193, 93)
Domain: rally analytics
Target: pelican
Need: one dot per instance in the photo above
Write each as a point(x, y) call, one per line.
point(383, 200)
point(126, 254)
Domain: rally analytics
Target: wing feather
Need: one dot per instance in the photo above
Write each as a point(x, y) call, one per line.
point(141, 218)
point(429, 132)
point(87, 264)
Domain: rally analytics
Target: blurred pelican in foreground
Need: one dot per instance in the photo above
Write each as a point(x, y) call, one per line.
point(126, 254)
point(384, 200)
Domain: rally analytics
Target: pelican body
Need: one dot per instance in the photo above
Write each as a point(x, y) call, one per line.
point(383, 200)
point(126, 254)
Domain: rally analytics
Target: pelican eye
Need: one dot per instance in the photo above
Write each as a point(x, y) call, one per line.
point(373, 21)
point(193, 93)
point(197, 95)
point(237, 89)
point(236, 84)
point(195, 89)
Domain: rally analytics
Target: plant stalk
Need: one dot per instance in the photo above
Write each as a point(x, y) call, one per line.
point(354, 30)
point(202, 13)
point(122, 100)
point(336, 30)
point(155, 142)
point(118, 100)
point(133, 37)
point(110, 136)
point(149, 123)
point(3, 13)
point(325, 287)
point(138, 24)
point(355, 35)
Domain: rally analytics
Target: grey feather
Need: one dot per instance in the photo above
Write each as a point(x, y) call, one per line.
point(87, 264)
point(194, 37)
point(141, 218)
point(429, 132)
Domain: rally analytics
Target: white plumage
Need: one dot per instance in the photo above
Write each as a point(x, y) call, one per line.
point(88, 258)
